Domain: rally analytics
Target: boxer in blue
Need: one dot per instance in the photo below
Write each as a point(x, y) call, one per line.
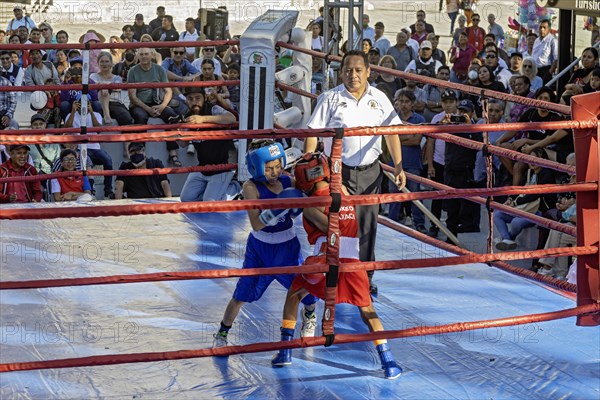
point(273, 241)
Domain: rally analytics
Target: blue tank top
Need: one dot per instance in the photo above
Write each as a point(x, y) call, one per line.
point(265, 193)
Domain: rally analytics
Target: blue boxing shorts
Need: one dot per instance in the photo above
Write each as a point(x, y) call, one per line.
point(265, 255)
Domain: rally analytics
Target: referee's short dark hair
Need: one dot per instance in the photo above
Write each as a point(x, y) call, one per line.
point(359, 53)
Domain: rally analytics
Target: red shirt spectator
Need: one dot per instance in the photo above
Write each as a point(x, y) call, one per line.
point(17, 165)
point(476, 34)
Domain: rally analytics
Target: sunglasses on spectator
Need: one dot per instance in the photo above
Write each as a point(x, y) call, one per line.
point(179, 52)
point(490, 56)
point(209, 49)
point(5, 58)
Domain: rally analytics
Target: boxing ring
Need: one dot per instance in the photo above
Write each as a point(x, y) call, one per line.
point(121, 298)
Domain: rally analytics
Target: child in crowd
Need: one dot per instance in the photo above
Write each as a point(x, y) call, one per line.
point(234, 91)
point(273, 241)
point(312, 177)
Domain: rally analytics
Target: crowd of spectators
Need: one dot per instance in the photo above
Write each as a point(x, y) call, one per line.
point(477, 57)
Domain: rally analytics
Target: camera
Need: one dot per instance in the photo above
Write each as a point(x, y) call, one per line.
point(458, 119)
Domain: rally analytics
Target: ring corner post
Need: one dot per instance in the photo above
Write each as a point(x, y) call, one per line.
point(587, 149)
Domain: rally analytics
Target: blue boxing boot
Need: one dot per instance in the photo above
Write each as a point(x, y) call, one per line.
point(388, 364)
point(284, 357)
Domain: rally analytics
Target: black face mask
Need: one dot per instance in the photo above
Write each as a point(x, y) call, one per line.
point(137, 158)
point(129, 56)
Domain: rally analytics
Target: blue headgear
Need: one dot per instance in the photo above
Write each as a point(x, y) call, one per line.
point(256, 159)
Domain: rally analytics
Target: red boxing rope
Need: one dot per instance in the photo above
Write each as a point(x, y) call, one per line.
point(562, 109)
point(112, 359)
point(127, 172)
point(225, 206)
point(416, 263)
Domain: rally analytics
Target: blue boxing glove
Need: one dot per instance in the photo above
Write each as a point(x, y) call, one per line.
point(271, 217)
point(292, 193)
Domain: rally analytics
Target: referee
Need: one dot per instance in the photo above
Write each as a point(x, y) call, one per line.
point(355, 103)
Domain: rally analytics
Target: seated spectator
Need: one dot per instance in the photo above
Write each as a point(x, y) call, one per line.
point(461, 57)
point(75, 147)
point(156, 56)
point(61, 37)
point(501, 73)
point(411, 157)
point(425, 61)
point(191, 34)
point(69, 188)
point(67, 97)
point(157, 22)
point(166, 33)
point(402, 53)
point(208, 53)
point(127, 34)
point(61, 64)
point(95, 152)
point(44, 155)
point(207, 186)
point(534, 203)
point(92, 37)
point(580, 78)
point(17, 165)
point(595, 80)
point(530, 70)
point(392, 82)
point(179, 69)
point(487, 79)
point(503, 58)
point(419, 34)
point(47, 104)
point(147, 102)
point(558, 267)
point(522, 88)
point(40, 71)
point(122, 69)
point(23, 55)
point(141, 187)
point(112, 103)
point(433, 105)
point(216, 94)
point(116, 54)
point(421, 97)
point(8, 106)
point(495, 114)
point(8, 70)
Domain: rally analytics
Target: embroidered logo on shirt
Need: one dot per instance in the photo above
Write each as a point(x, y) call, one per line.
point(373, 104)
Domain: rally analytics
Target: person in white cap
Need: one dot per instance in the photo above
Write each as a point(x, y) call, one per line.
point(425, 61)
point(19, 20)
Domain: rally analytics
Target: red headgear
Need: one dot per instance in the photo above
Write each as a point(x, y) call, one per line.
point(312, 168)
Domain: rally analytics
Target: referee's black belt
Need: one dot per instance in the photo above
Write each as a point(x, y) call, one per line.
point(361, 167)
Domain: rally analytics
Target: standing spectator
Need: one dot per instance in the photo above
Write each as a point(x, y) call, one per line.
point(140, 28)
point(461, 57)
point(113, 107)
point(402, 53)
point(19, 20)
point(425, 61)
point(452, 10)
point(420, 34)
point(467, 6)
point(496, 30)
point(92, 37)
point(12, 72)
point(234, 75)
point(157, 22)
point(410, 42)
point(516, 63)
point(69, 188)
point(207, 186)
point(166, 33)
point(462, 20)
point(17, 165)
point(143, 102)
point(141, 187)
point(95, 152)
point(530, 70)
point(8, 105)
point(530, 41)
point(475, 34)
point(437, 53)
point(545, 52)
point(411, 157)
point(421, 17)
point(433, 105)
point(360, 169)
point(317, 41)
point(367, 31)
point(380, 41)
point(191, 34)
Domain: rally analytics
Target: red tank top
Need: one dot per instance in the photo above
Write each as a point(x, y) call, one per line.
point(348, 223)
point(71, 184)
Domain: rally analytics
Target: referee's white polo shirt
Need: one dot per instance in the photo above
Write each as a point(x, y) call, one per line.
point(337, 108)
